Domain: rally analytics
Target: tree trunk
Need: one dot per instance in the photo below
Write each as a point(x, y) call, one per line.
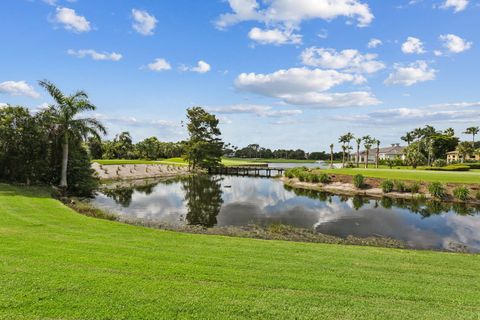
point(63, 180)
point(377, 158)
point(358, 156)
point(343, 159)
point(366, 159)
point(331, 158)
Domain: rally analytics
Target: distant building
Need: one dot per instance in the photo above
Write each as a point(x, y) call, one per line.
point(395, 151)
point(454, 156)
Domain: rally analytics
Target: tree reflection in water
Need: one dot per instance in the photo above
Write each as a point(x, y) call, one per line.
point(203, 198)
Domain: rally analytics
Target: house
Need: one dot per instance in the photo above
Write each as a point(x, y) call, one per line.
point(395, 151)
point(454, 156)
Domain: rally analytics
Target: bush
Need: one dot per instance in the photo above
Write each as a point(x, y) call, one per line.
point(437, 190)
point(439, 163)
point(325, 178)
point(399, 186)
point(387, 186)
point(414, 187)
point(477, 195)
point(314, 178)
point(358, 180)
point(472, 165)
point(454, 167)
point(302, 176)
point(461, 193)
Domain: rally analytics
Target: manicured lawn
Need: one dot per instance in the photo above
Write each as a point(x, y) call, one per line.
point(57, 264)
point(418, 175)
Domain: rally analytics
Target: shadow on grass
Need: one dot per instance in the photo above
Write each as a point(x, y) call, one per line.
point(9, 190)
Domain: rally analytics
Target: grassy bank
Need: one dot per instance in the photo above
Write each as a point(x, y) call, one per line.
point(469, 177)
point(57, 264)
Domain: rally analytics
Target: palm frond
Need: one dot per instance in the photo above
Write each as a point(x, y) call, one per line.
point(54, 92)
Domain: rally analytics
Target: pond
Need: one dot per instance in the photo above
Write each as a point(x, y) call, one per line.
point(239, 201)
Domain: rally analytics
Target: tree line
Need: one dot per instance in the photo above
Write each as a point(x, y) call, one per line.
point(256, 151)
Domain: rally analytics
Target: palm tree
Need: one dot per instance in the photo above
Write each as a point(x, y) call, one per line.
point(331, 156)
point(358, 141)
point(473, 131)
point(345, 141)
point(408, 137)
point(377, 158)
point(64, 116)
point(367, 143)
point(449, 132)
point(465, 149)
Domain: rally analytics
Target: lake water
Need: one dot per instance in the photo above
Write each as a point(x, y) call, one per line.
point(238, 201)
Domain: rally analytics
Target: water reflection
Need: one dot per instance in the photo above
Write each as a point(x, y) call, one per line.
point(238, 201)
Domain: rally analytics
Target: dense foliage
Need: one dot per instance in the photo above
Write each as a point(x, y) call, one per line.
point(256, 151)
point(31, 151)
point(204, 146)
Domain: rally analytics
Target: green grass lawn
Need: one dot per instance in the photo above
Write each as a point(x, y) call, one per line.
point(472, 176)
point(57, 264)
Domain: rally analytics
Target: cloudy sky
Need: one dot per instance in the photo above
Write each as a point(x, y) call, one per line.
point(281, 73)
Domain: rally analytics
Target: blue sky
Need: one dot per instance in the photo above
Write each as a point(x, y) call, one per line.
point(281, 73)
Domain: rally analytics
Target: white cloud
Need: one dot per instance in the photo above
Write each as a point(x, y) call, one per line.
point(95, 55)
point(159, 65)
point(349, 60)
point(3, 105)
point(413, 45)
point(258, 110)
point(455, 44)
point(457, 5)
point(71, 21)
point(373, 43)
point(415, 72)
point(446, 112)
point(202, 67)
point(306, 87)
point(274, 36)
point(51, 2)
point(18, 88)
point(292, 13)
point(143, 22)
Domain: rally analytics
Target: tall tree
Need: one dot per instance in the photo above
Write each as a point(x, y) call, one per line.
point(204, 147)
point(465, 149)
point(64, 116)
point(449, 132)
point(377, 157)
point(367, 143)
point(331, 156)
point(408, 137)
point(473, 131)
point(345, 141)
point(359, 142)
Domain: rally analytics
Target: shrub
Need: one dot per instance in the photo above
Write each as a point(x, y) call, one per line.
point(399, 186)
point(313, 177)
point(414, 187)
point(440, 163)
point(289, 174)
point(302, 176)
point(477, 195)
point(461, 193)
point(358, 180)
point(455, 167)
point(436, 189)
point(325, 178)
point(387, 186)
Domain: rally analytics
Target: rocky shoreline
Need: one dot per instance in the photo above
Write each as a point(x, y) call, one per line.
point(138, 171)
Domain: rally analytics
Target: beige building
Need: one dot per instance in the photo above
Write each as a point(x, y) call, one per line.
point(395, 151)
point(454, 156)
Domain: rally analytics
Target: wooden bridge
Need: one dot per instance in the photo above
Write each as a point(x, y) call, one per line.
point(247, 171)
